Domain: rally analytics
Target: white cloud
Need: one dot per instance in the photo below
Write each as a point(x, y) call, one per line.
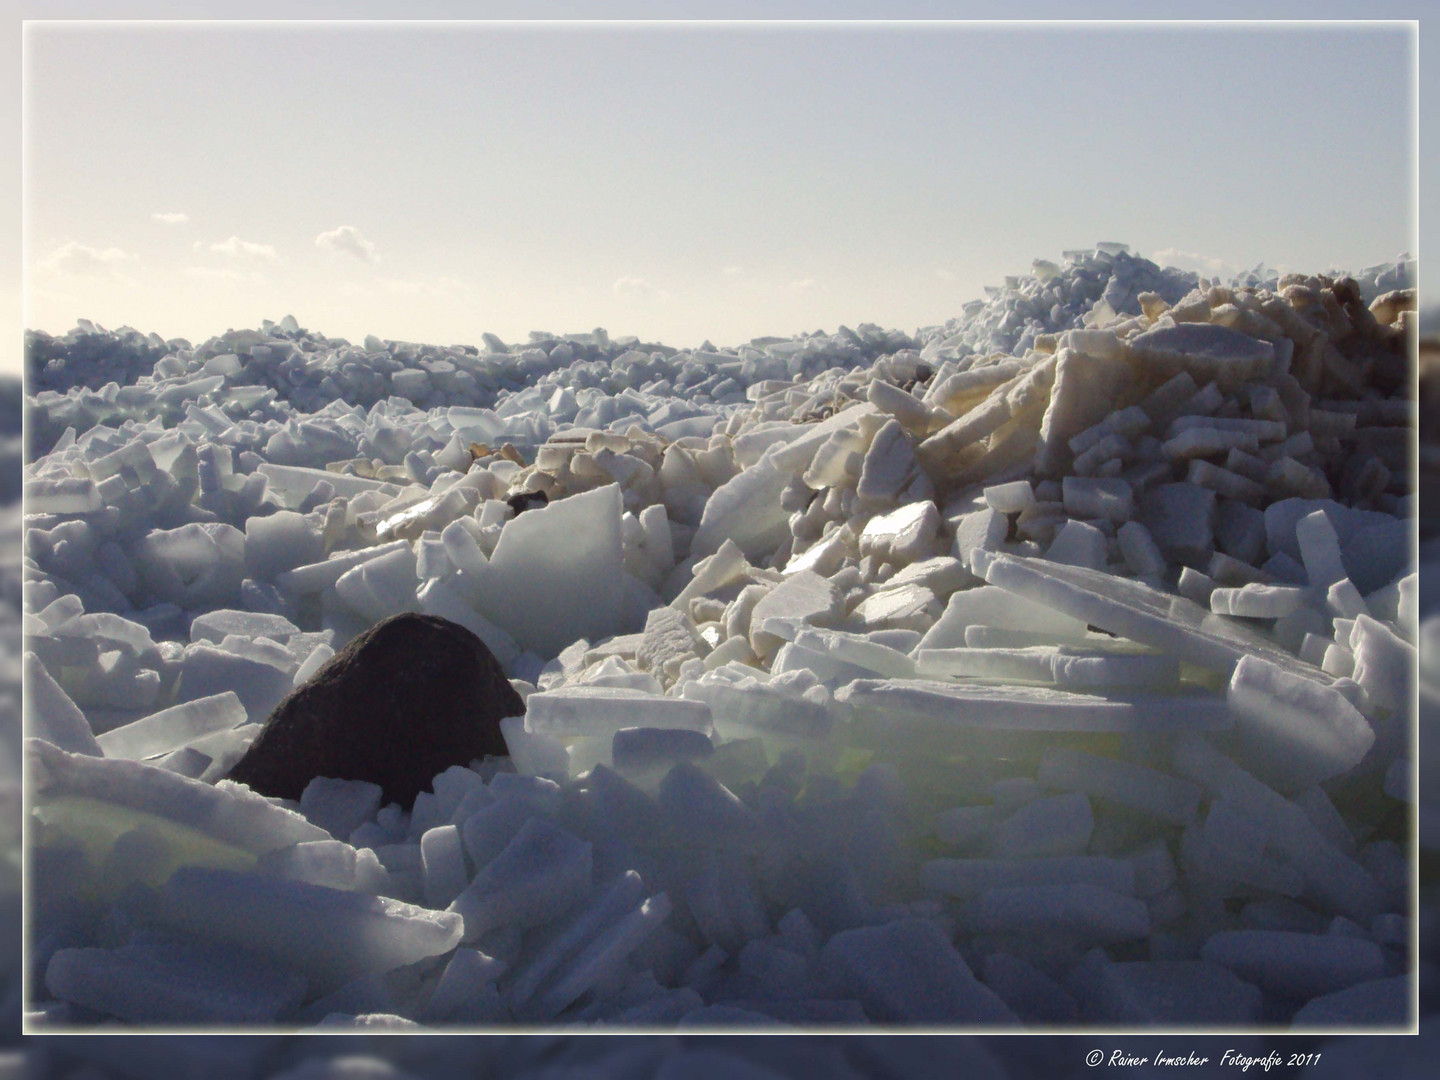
point(733, 271)
point(348, 240)
point(803, 284)
point(1200, 264)
point(637, 288)
point(236, 248)
point(943, 274)
point(81, 260)
point(170, 218)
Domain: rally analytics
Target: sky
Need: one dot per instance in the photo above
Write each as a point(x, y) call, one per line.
point(681, 183)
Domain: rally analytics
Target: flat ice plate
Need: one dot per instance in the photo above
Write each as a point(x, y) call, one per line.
point(1032, 708)
point(1170, 624)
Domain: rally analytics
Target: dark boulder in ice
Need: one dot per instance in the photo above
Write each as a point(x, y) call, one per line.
point(407, 699)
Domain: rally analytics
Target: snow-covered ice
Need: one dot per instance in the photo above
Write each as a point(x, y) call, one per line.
point(1050, 665)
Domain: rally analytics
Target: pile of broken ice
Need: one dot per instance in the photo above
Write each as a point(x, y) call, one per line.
point(1053, 666)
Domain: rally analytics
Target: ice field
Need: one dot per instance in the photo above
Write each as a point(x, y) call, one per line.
point(1050, 668)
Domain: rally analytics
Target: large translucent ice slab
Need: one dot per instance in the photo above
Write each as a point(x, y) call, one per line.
point(332, 935)
point(52, 716)
point(604, 710)
point(1291, 731)
point(1124, 783)
point(557, 573)
point(908, 972)
point(292, 482)
point(1170, 624)
point(111, 797)
point(746, 509)
point(175, 727)
point(541, 873)
point(1298, 965)
point(968, 878)
point(159, 980)
point(1028, 708)
point(1179, 992)
point(1094, 914)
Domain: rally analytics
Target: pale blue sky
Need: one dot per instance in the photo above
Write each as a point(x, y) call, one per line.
point(679, 183)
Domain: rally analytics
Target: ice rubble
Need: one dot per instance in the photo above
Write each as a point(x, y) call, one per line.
point(1031, 669)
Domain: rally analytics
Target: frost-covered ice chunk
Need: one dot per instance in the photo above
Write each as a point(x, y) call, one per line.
point(1059, 825)
point(331, 863)
point(331, 935)
point(1292, 731)
point(1181, 519)
point(1259, 601)
point(52, 716)
point(979, 530)
point(443, 863)
point(989, 606)
point(466, 991)
point(1205, 351)
point(861, 650)
point(641, 749)
point(889, 464)
point(804, 597)
point(1383, 663)
point(175, 727)
point(542, 872)
point(1124, 783)
point(67, 495)
point(339, 806)
point(199, 565)
point(1140, 552)
point(1184, 992)
point(1335, 881)
point(1089, 497)
point(603, 956)
point(704, 808)
point(1319, 549)
point(618, 897)
point(965, 826)
point(380, 587)
point(907, 607)
point(317, 576)
point(969, 878)
point(1034, 664)
point(1011, 498)
point(903, 535)
point(1079, 544)
point(532, 753)
point(1093, 914)
point(1377, 1003)
point(908, 972)
point(1304, 966)
point(280, 542)
point(161, 980)
point(741, 709)
point(604, 710)
point(1030, 992)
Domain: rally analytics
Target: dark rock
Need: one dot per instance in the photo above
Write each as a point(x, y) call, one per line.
point(527, 500)
point(404, 701)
